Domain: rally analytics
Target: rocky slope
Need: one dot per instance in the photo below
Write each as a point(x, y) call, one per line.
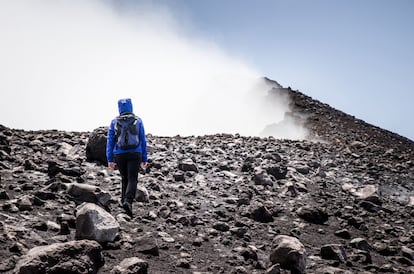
point(215, 204)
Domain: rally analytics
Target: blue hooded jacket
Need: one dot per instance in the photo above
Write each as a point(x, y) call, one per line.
point(125, 107)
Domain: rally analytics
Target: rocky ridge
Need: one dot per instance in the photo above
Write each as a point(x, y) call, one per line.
point(213, 204)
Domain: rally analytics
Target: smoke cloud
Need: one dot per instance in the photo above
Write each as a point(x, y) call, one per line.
point(66, 63)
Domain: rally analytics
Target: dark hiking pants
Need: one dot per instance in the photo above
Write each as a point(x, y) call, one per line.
point(128, 165)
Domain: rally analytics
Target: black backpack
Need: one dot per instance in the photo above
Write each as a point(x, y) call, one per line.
point(126, 131)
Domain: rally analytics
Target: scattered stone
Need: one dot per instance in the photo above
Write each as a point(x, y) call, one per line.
point(289, 252)
point(96, 146)
point(147, 245)
point(220, 226)
point(313, 215)
point(166, 237)
point(184, 263)
point(407, 252)
point(279, 172)
point(133, 265)
point(25, 203)
point(333, 252)
point(361, 256)
point(332, 270)
point(94, 223)
point(343, 233)
point(239, 270)
point(71, 257)
point(260, 213)
point(360, 243)
point(4, 195)
point(88, 193)
point(141, 195)
point(274, 269)
point(187, 165)
point(262, 178)
point(55, 168)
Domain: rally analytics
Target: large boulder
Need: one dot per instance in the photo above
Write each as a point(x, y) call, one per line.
point(94, 223)
point(370, 193)
point(142, 195)
point(289, 252)
point(71, 257)
point(260, 213)
point(96, 146)
point(133, 265)
point(312, 214)
point(88, 193)
point(187, 165)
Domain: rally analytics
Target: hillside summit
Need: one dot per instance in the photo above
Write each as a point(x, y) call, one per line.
point(216, 203)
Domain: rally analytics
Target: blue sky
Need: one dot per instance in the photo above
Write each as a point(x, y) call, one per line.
point(355, 55)
point(185, 63)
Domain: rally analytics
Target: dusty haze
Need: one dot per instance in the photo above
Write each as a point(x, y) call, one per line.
point(66, 63)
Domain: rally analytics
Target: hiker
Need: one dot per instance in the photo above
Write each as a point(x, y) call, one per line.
point(126, 149)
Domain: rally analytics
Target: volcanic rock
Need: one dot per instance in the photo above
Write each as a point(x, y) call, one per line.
point(333, 252)
point(88, 193)
point(147, 245)
point(312, 214)
point(141, 194)
point(71, 257)
point(289, 252)
point(133, 265)
point(96, 146)
point(94, 223)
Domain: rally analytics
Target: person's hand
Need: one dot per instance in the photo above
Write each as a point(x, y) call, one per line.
point(111, 165)
point(144, 165)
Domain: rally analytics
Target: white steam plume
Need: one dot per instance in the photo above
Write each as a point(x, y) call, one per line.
point(64, 65)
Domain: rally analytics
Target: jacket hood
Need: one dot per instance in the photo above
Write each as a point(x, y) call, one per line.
point(125, 105)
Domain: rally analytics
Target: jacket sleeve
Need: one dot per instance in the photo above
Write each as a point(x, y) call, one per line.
point(110, 142)
point(143, 143)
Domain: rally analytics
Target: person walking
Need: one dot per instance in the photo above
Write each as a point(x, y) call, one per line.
point(126, 149)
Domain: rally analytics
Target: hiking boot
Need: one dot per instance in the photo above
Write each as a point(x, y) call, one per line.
point(128, 208)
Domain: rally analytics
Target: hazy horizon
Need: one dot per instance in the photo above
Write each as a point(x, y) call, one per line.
point(68, 62)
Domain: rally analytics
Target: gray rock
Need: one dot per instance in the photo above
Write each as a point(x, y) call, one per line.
point(187, 165)
point(94, 223)
point(361, 256)
point(343, 233)
point(96, 146)
point(4, 195)
point(261, 177)
point(248, 253)
point(277, 171)
point(147, 245)
point(179, 176)
point(333, 252)
point(220, 226)
point(141, 195)
point(302, 169)
point(332, 270)
point(407, 252)
point(260, 213)
point(360, 243)
point(25, 203)
point(71, 257)
point(312, 214)
point(88, 193)
point(239, 270)
point(369, 193)
point(289, 252)
point(54, 168)
point(274, 269)
point(133, 265)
